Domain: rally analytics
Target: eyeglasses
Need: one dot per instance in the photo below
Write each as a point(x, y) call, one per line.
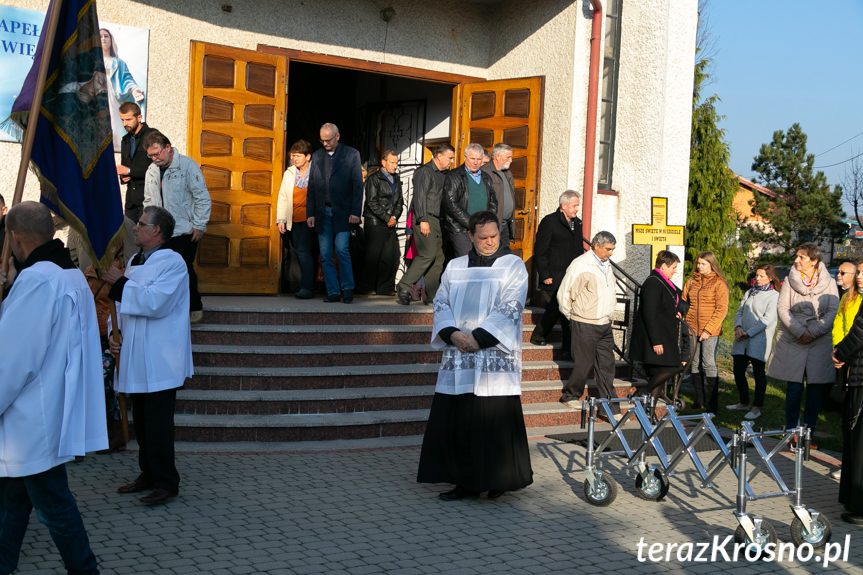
point(141, 224)
point(328, 140)
point(156, 155)
point(844, 273)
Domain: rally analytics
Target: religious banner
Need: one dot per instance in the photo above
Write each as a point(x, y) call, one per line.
point(657, 234)
point(124, 50)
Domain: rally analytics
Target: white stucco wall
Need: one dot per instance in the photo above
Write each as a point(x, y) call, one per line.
point(654, 112)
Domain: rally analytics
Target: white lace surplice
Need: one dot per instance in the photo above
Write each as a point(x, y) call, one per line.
point(491, 298)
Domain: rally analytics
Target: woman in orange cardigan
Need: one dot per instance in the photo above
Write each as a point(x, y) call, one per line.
point(707, 294)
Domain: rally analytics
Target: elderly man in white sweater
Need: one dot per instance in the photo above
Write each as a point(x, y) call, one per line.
point(587, 298)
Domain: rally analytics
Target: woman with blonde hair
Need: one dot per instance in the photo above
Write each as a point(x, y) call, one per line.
point(706, 290)
point(754, 325)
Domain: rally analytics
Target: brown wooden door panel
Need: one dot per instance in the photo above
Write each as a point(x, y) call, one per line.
point(508, 111)
point(236, 119)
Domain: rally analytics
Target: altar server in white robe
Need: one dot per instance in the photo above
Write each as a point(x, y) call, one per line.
point(475, 437)
point(156, 351)
point(52, 402)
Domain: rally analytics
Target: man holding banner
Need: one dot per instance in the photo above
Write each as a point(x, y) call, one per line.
point(52, 403)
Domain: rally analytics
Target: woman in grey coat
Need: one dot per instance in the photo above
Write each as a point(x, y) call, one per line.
point(754, 325)
point(807, 307)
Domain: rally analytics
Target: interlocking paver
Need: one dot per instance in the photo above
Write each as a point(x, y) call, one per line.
point(361, 512)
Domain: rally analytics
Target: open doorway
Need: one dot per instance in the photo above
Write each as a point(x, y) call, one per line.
point(374, 112)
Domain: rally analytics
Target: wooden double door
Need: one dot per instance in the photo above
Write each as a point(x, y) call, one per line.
point(237, 108)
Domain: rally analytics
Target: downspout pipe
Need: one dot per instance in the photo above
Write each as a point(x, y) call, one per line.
point(592, 106)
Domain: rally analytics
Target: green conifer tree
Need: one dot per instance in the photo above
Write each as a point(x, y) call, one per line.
point(803, 208)
point(711, 220)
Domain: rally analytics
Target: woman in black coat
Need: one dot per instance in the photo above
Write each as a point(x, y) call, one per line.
point(656, 337)
point(849, 355)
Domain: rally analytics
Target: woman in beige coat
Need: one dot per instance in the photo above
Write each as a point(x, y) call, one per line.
point(807, 307)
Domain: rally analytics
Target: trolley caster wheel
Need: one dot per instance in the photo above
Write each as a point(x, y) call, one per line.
point(654, 488)
point(766, 534)
point(604, 494)
point(818, 537)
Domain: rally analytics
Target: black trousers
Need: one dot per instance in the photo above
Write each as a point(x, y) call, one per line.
point(592, 347)
point(184, 246)
point(381, 261)
point(460, 244)
point(154, 429)
point(551, 316)
point(429, 260)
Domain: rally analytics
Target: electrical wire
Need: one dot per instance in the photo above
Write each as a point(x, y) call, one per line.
point(837, 145)
point(838, 163)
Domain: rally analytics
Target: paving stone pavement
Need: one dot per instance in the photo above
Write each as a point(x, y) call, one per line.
point(362, 512)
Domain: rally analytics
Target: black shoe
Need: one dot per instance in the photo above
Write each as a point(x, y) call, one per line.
point(847, 517)
point(457, 493)
point(537, 339)
point(157, 496)
point(333, 297)
point(347, 296)
point(494, 493)
point(304, 294)
point(135, 487)
point(403, 298)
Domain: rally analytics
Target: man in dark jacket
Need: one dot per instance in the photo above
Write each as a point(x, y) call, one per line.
point(428, 183)
point(466, 190)
point(334, 200)
point(383, 208)
point(133, 159)
point(558, 241)
point(504, 188)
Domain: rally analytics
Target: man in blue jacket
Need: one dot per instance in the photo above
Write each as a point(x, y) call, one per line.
point(334, 201)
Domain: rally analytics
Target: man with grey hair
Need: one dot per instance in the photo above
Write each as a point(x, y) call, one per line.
point(558, 242)
point(334, 202)
point(467, 190)
point(504, 188)
point(587, 298)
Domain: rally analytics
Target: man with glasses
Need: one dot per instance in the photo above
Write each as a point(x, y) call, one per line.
point(175, 182)
point(154, 347)
point(334, 201)
point(845, 276)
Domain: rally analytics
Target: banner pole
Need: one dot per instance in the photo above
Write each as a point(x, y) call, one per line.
point(30, 132)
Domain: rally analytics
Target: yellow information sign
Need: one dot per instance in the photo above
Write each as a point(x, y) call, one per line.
point(657, 234)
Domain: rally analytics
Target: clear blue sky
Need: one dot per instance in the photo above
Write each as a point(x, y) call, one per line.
point(777, 62)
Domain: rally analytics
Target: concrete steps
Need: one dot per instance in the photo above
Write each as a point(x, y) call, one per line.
point(283, 370)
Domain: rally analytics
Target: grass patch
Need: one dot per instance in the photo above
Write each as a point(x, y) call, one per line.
point(828, 432)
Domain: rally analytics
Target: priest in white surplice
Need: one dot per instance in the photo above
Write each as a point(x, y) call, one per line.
point(156, 353)
point(475, 437)
point(52, 400)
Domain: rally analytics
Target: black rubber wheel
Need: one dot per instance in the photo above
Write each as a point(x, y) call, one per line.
point(767, 534)
point(654, 489)
point(818, 537)
point(604, 494)
point(680, 404)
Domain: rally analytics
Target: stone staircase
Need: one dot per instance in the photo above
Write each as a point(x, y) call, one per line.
point(277, 369)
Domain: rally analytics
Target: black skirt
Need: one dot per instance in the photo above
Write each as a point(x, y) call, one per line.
point(851, 481)
point(478, 443)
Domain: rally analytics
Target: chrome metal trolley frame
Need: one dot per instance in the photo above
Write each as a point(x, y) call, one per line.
point(651, 481)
